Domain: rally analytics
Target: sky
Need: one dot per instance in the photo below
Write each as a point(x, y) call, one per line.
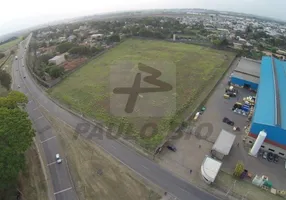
point(19, 14)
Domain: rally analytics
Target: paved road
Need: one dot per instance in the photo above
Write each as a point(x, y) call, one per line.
point(59, 176)
point(136, 162)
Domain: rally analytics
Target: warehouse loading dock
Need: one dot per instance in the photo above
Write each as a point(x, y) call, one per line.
point(246, 74)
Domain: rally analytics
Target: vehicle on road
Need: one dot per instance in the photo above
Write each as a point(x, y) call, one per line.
point(264, 155)
point(16, 57)
point(228, 121)
point(270, 157)
point(58, 158)
point(18, 86)
point(23, 65)
point(172, 148)
point(24, 77)
point(276, 158)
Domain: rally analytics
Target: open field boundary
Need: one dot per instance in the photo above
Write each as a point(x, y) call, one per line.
point(134, 143)
point(60, 79)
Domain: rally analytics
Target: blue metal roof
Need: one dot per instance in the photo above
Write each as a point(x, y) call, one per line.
point(281, 79)
point(270, 108)
point(265, 104)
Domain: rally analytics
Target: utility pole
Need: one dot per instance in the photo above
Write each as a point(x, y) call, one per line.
point(230, 188)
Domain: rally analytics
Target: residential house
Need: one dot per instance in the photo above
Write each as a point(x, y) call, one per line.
point(96, 36)
point(71, 38)
point(62, 39)
point(57, 60)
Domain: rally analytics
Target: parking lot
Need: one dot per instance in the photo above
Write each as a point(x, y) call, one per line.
point(191, 150)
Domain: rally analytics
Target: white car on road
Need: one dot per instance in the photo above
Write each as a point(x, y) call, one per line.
point(58, 158)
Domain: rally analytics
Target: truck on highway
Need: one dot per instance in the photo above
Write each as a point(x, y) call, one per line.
point(16, 57)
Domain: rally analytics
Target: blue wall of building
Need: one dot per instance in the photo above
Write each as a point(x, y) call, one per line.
point(275, 134)
point(241, 82)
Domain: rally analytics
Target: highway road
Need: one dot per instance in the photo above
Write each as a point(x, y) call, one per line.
point(59, 177)
point(143, 166)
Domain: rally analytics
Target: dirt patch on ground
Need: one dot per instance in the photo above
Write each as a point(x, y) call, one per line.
point(96, 174)
point(71, 64)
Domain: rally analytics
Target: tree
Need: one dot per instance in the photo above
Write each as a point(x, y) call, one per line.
point(5, 79)
point(45, 58)
point(13, 100)
point(16, 136)
point(81, 50)
point(43, 44)
point(55, 71)
point(2, 55)
point(113, 38)
point(239, 168)
point(64, 47)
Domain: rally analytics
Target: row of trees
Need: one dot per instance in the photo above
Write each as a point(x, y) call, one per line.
point(8, 40)
point(16, 136)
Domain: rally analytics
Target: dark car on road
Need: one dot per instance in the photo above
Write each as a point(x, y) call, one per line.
point(228, 121)
point(270, 157)
point(172, 148)
point(276, 158)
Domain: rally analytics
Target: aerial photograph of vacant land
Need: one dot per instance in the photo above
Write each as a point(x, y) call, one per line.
point(197, 70)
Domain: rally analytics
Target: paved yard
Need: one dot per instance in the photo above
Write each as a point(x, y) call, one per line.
point(191, 150)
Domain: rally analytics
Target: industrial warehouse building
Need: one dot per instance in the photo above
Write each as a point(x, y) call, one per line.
point(270, 108)
point(246, 74)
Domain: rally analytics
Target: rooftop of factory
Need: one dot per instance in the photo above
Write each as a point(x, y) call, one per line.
point(270, 108)
point(248, 67)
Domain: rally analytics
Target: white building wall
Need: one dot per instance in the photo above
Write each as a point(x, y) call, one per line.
point(268, 147)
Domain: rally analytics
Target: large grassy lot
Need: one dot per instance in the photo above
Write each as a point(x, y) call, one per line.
point(197, 70)
point(8, 45)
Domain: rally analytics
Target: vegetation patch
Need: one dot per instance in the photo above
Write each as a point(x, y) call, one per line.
point(9, 45)
point(197, 70)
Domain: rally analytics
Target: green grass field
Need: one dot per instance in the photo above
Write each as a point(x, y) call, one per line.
point(8, 45)
point(197, 70)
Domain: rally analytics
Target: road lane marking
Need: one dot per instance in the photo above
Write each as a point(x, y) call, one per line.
point(183, 189)
point(36, 108)
point(145, 167)
point(39, 118)
point(52, 163)
point(48, 139)
point(63, 191)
